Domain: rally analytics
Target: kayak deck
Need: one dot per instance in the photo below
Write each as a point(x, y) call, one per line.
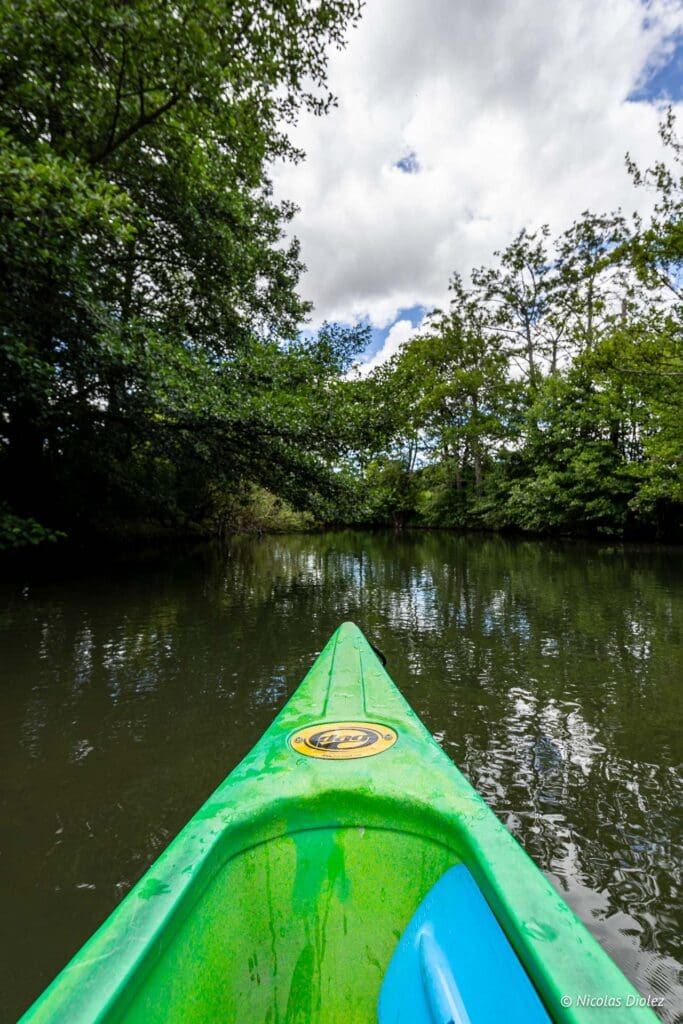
point(283, 899)
point(301, 941)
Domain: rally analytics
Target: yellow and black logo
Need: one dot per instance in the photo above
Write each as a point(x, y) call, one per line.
point(342, 741)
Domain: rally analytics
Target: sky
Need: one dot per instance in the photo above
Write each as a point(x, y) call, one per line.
point(459, 122)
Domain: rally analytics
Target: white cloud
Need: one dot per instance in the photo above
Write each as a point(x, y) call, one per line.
point(401, 331)
point(516, 112)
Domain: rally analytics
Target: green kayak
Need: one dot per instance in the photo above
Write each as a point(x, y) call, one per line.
point(285, 898)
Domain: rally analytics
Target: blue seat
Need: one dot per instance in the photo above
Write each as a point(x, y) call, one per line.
point(455, 965)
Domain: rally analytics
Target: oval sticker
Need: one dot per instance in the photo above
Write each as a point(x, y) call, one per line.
point(342, 741)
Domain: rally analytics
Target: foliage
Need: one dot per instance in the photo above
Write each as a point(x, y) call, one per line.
point(18, 532)
point(149, 298)
point(392, 491)
point(254, 510)
point(550, 396)
point(153, 367)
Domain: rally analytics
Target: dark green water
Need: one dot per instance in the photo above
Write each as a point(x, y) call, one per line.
point(551, 674)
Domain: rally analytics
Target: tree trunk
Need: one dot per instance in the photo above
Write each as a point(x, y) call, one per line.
point(24, 485)
point(476, 455)
point(589, 315)
point(530, 353)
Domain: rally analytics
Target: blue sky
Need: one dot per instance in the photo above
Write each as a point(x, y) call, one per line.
point(379, 334)
point(662, 76)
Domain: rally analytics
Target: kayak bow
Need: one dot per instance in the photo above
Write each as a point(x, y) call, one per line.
point(284, 898)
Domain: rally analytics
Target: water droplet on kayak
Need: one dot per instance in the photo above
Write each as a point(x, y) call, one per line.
point(540, 932)
point(153, 887)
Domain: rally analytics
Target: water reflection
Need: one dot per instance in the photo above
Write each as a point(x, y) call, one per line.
point(550, 673)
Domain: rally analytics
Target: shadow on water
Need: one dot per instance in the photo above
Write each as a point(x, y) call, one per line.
point(551, 673)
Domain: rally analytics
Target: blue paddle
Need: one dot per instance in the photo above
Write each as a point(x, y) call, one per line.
point(455, 965)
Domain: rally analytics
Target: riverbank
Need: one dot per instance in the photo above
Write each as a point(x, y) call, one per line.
point(150, 543)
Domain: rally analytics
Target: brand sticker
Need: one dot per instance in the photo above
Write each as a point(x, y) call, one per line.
point(342, 741)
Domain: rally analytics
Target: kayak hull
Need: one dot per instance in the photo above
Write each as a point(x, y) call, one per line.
point(285, 896)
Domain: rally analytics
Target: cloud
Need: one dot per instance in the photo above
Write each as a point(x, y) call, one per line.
point(504, 113)
point(401, 331)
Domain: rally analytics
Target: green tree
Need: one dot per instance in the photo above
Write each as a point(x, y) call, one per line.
point(449, 403)
point(142, 252)
point(652, 364)
point(466, 405)
point(591, 289)
point(656, 250)
point(571, 475)
point(517, 293)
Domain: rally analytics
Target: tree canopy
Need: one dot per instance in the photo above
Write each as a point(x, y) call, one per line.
point(549, 396)
point(154, 366)
point(149, 294)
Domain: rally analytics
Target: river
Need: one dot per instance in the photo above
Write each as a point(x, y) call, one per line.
point(550, 672)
